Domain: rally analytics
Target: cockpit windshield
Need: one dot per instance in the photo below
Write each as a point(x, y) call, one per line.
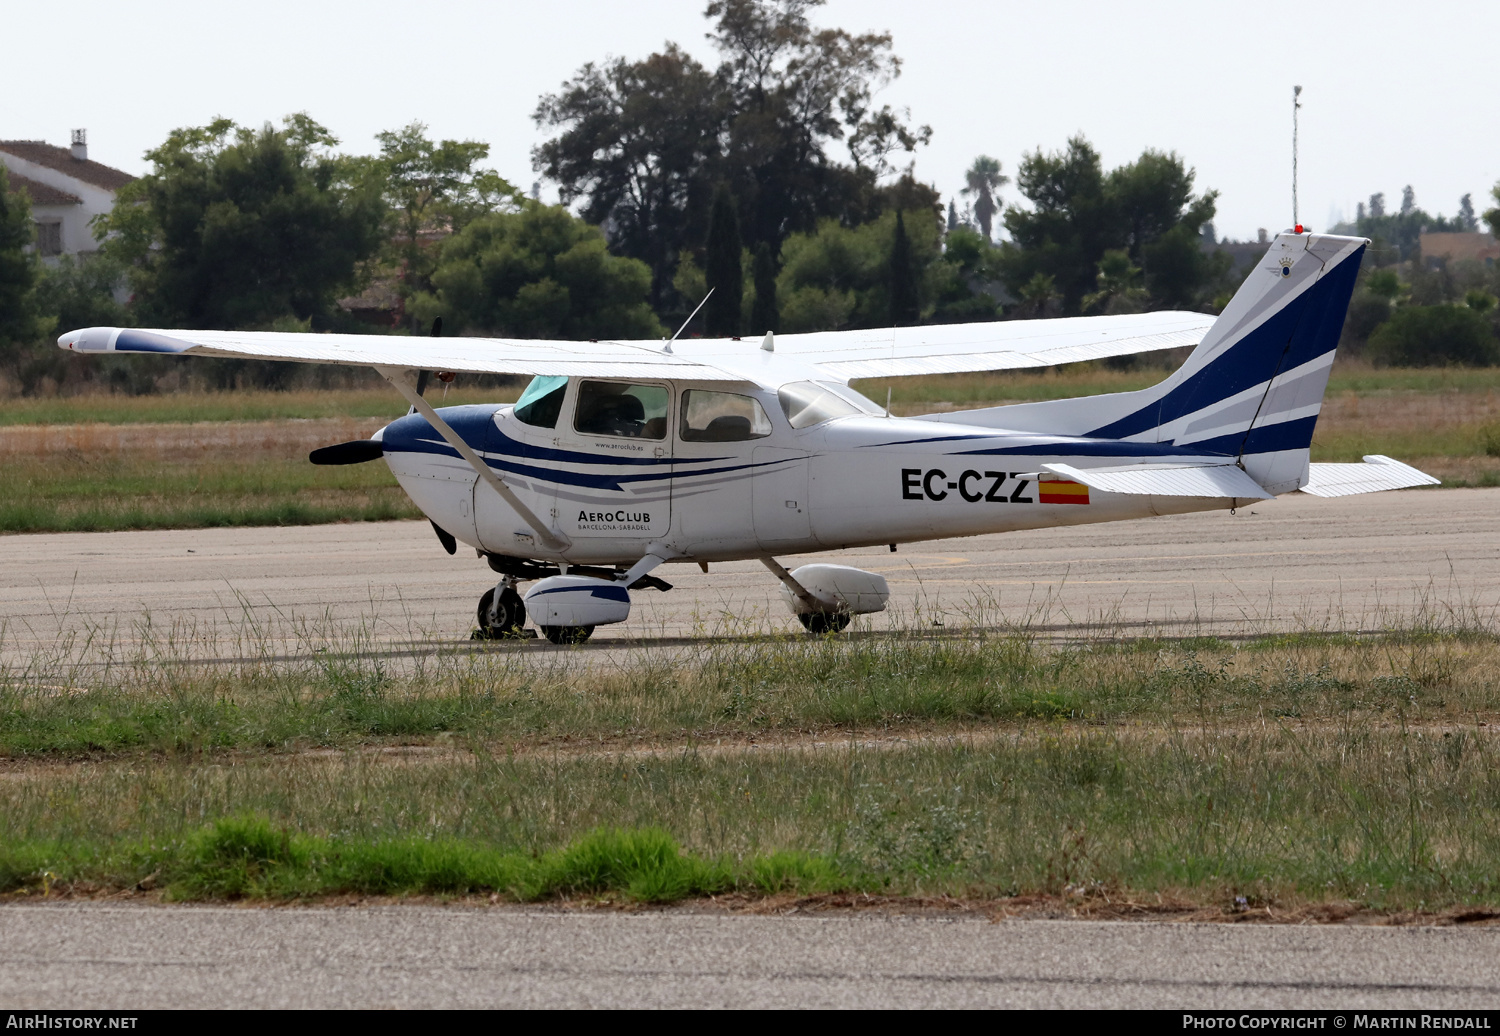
point(542, 401)
point(807, 403)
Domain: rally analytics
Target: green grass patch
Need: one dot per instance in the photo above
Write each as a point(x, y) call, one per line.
point(249, 857)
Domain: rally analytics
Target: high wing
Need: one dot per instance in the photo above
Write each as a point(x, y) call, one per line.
point(841, 355)
point(994, 346)
point(463, 355)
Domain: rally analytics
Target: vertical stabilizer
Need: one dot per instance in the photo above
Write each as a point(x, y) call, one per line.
point(1253, 387)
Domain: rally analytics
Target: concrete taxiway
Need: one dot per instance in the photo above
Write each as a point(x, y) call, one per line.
point(123, 957)
point(1355, 563)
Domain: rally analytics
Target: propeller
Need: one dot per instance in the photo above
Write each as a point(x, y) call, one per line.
point(356, 452)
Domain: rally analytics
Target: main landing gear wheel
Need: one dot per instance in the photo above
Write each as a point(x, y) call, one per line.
point(508, 618)
point(567, 634)
point(819, 623)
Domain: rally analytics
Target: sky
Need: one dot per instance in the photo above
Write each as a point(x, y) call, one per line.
point(1394, 94)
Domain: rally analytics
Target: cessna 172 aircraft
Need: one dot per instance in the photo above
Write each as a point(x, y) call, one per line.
point(620, 456)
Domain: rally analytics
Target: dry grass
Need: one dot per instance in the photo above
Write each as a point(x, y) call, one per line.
point(194, 460)
point(245, 405)
point(1316, 770)
point(101, 477)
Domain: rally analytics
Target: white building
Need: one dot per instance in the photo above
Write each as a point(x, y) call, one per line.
point(66, 190)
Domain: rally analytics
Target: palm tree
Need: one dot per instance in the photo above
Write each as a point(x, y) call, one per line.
point(984, 181)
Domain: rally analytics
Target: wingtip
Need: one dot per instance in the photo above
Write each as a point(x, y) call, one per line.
point(89, 339)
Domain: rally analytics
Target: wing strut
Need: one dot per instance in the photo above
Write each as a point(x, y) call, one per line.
point(404, 384)
point(798, 590)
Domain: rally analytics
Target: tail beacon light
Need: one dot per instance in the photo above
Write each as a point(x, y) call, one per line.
point(838, 588)
point(577, 601)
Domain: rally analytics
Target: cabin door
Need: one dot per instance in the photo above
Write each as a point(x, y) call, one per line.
point(779, 491)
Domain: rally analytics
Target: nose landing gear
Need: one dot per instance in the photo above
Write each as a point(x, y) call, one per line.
point(502, 614)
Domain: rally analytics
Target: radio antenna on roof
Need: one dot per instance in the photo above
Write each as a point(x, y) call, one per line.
point(668, 347)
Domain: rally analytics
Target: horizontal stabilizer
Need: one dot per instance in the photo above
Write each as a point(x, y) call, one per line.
point(1212, 481)
point(1375, 475)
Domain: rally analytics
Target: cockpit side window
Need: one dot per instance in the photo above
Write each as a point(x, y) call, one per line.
point(617, 408)
point(709, 416)
point(541, 403)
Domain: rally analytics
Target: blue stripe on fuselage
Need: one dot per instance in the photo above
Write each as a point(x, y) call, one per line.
point(1090, 448)
point(476, 426)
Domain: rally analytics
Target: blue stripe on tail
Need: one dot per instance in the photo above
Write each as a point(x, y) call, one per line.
point(1300, 331)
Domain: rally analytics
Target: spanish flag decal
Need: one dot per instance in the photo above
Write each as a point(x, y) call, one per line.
point(1063, 492)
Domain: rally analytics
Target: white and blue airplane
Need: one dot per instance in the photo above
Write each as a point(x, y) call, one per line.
point(623, 455)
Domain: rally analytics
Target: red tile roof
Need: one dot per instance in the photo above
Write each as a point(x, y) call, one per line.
point(40, 193)
point(1477, 246)
point(61, 159)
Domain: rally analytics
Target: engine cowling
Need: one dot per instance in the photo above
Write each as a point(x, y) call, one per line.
point(577, 601)
point(838, 588)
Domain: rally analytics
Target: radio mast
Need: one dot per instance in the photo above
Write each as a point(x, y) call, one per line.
point(1296, 107)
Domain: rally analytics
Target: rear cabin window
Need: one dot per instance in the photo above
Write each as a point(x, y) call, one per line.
point(542, 401)
point(721, 417)
point(621, 409)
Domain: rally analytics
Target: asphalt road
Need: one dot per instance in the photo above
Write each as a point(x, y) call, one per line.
point(96, 955)
point(1353, 563)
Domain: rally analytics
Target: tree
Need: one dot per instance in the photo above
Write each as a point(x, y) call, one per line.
point(20, 323)
point(1425, 336)
point(840, 277)
point(537, 273)
point(1466, 218)
point(637, 146)
point(1079, 213)
point(766, 313)
point(80, 292)
point(1401, 232)
point(239, 228)
point(983, 180)
point(724, 276)
point(905, 307)
point(435, 187)
point(1492, 217)
point(642, 144)
point(1119, 285)
point(1039, 297)
point(1069, 227)
point(961, 284)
